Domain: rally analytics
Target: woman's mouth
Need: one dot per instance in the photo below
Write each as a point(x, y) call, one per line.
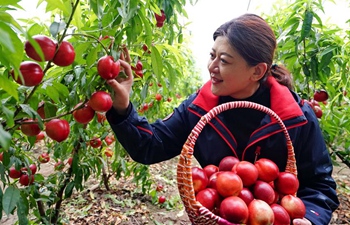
point(215, 80)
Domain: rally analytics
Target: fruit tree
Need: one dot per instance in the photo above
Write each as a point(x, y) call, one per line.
point(54, 97)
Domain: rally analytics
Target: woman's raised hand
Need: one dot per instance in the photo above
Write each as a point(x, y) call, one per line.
point(122, 85)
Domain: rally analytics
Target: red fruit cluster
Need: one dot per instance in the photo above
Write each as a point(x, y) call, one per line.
point(44, 157)
point(95, 142)
point(109, 140)
point(246, 193)
point(42, 48)
point(56, 129)
point(160, 18)
point(145, 106)
point(64, 56)
point(25, 178)
point(316, 107)
point(100, 101)
point(108, 152)
point(138, 69)
point(145, 48)
point(31, 72)
point(319, 96)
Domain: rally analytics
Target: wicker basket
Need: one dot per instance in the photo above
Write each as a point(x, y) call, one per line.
point(198, 214)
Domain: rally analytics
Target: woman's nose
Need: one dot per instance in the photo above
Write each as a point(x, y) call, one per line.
point(212, 66)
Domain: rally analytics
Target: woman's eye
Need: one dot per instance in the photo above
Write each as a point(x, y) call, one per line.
point(211, 55)
point(223, 60)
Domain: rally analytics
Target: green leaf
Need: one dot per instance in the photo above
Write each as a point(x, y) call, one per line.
point(314, 68)
point(50, 109)
point(82, 49)
point(137, 24)
point(5, 38)
point(9, 2)
point(61, 89)
point(10, 199)
point(56, 4)
point(91, 57)
point(9, 115)
point(53, 93)
point(5, 138)
point(35, 29)
point(78, 179)
point(7, 18)
point(97, 7)
point(326, 59)
point(29, 111)
point(12, 45)
point(55, 27)
point(157, 64)
point(69, 189)
point(307, 24)
point(306, 70)
point(144, 92)
point(147, 27)
point(77, 18)
point(6, 158)
point(22, 211)
point(8, 86)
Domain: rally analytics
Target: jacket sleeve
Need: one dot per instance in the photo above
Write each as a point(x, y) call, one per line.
point(149, 143)
point(317, 187)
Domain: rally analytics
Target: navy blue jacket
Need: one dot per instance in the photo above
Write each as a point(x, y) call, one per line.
point(151, 143)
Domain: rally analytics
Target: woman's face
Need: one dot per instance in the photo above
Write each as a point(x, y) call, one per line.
point(229, 72)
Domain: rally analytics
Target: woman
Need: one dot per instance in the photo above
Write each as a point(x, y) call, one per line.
point(240, 68)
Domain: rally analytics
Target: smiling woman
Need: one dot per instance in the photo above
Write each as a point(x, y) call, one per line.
point(206, 16)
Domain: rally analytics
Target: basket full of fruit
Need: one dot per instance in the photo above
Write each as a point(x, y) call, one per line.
point(266, 196)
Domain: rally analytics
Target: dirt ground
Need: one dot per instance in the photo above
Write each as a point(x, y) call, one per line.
point(124, 205)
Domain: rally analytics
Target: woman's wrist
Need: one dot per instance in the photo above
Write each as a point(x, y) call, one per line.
point(121, 109)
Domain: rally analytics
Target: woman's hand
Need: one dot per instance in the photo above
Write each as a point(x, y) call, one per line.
point(303, 221)
point(122, 85)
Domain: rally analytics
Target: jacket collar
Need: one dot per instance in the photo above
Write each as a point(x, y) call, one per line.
point(282, 101)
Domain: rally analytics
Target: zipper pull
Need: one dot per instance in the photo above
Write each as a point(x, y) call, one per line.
point(257, 153)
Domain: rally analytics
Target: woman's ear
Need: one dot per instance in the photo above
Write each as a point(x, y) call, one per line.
point(259, 71)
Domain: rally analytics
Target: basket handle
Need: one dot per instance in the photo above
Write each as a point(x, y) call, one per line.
point(184, 167)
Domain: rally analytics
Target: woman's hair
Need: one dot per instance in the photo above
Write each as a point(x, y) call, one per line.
point(255, 41)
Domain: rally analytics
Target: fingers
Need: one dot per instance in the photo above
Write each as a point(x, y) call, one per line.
point(127, 69)
point(113, 84)
point(126, 54)
point(122, 57)
point(301, 222)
